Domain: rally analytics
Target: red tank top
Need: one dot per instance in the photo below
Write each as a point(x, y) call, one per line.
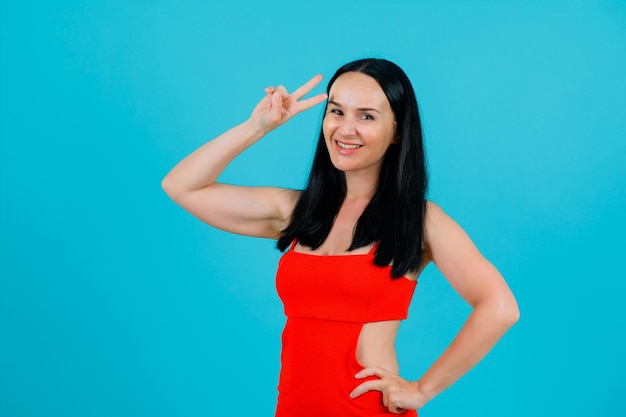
point(341, 287)
point(326, 300)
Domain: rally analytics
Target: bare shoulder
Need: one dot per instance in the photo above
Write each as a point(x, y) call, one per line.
point(434, 220)
point(433, 211)
point(456, 256)
point(436, 217)
point(432, 215)
point(443, 235)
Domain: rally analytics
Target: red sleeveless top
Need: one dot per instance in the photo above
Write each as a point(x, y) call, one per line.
point(327, 299)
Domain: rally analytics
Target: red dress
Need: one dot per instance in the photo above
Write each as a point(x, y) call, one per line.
point(327, 299)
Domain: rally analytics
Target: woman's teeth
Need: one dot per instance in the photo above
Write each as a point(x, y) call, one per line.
point(346, 146)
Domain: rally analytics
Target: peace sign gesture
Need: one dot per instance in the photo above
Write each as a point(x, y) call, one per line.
point(278, 106)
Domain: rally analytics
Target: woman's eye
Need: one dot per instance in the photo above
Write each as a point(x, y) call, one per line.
point(336, 111)
point(366, 117)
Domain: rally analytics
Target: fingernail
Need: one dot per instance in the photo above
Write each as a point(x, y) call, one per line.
point(276, 95)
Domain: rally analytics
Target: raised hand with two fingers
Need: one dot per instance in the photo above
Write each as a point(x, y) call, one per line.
point(278, 106)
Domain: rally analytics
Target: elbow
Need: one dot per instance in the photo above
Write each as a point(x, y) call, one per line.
point(166, 185)
point(501, 311)
point(169, 187)
point(512, 315)
point(508, 312)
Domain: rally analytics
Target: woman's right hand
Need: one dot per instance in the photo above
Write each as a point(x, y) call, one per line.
point(278, 106)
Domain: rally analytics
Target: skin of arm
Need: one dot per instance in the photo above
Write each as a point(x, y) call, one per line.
point(494, 311)
point(252, 211)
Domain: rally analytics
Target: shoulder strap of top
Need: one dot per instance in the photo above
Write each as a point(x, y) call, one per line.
point(373, 250)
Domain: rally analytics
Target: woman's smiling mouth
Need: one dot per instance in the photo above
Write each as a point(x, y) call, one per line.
point(347, 146)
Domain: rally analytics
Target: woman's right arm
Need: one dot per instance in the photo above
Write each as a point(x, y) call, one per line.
point(252, 211)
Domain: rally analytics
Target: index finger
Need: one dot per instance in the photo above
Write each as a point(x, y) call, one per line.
point(373, 385)
point(306, 87)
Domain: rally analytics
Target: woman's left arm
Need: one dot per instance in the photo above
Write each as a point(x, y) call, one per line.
point(494, 311)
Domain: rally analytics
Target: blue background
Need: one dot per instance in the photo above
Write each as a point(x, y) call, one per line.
point(115, 302)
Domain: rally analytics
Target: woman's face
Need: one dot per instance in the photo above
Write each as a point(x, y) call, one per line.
point(359, 124)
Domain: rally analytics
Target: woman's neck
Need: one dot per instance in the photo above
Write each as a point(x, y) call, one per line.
point(360, 186)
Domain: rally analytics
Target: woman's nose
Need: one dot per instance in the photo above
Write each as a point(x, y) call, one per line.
point(348, 127)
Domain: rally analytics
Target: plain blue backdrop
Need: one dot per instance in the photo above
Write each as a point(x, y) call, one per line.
point(115, 302)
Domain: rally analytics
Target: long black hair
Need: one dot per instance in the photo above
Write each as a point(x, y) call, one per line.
point(395, 215)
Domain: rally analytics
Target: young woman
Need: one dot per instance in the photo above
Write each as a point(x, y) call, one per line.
point(358, 237)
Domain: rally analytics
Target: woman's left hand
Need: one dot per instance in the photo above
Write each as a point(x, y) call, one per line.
point(399, 394)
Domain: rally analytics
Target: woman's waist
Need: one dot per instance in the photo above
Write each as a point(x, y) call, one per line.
point(338, 343)
point(318, 367)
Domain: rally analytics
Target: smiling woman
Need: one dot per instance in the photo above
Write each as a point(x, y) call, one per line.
point(359, 125)
point(358, 235)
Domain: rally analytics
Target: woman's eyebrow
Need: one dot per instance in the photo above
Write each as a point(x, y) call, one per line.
point(333, 102)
